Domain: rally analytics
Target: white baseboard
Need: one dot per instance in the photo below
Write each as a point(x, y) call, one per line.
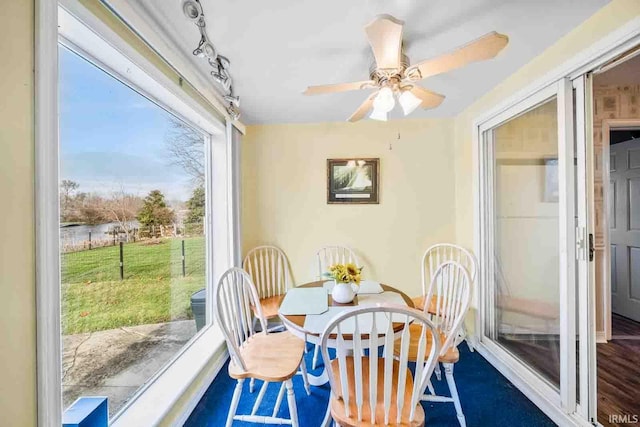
point(472, 342)
point(601, 337)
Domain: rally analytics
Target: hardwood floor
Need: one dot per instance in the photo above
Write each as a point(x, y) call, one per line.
point(541, 353)
point(623, 328)
point(618, 368)
point(619, 373)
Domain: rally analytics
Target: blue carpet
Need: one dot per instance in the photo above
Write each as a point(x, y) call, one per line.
point(487, 398)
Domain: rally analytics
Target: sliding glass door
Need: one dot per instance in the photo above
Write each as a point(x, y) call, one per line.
point(533, 234)
point(526, 297)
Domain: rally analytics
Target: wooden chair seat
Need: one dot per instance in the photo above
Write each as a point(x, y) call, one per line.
point(451, 356)
point(270, 306)
point(269, 357)
point(419, 303)
point(338, 408)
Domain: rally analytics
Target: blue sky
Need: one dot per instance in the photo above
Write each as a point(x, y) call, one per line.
point(111, 137)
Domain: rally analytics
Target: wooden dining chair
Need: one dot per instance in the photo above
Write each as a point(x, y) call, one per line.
point(433, 258)
point(450, 292)
point(260, 355)
point(372, 390)
point(328, 256)
point(269, 270)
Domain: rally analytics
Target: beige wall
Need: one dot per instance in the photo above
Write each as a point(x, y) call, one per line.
point(606, 20)
point(284, 194)
point(17, 234)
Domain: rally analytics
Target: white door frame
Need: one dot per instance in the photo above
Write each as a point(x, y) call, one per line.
point(606, 49)
point(607, 126)
point(567, 246)
point(562, 92)
point(588, 381)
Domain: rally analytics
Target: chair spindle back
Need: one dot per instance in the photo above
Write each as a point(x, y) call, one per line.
point(330, 255)
point(366, 370)
point(235, 294)
point(451, 288)
point(440, 253)
point(269, 270)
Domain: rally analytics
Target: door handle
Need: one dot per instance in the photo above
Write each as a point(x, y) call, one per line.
point(591, 247)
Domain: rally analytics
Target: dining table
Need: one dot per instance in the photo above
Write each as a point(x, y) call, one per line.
point(309, 327)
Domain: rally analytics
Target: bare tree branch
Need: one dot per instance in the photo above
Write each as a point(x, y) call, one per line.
point(121, 208)
point(185, 148)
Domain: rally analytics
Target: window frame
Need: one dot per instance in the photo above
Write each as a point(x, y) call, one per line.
point(84, 34)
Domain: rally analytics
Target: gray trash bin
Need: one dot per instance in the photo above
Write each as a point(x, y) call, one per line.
point(198, 307)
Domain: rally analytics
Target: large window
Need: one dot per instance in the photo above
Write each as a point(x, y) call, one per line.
point(133, 234)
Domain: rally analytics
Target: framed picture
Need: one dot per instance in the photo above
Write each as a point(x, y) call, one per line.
point(352, 180)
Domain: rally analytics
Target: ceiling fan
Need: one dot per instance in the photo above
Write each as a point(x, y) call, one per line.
point(393, 76)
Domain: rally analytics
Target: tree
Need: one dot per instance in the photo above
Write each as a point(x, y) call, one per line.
point(89, 209)
point(154, 210)
point(185, 147)
point(92, 211)
point(196, 206)
point(67, 187)
point(120, 208)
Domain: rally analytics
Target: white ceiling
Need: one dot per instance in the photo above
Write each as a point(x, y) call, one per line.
point(278, 48)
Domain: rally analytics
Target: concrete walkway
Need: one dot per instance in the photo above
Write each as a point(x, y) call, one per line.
point(116, 362)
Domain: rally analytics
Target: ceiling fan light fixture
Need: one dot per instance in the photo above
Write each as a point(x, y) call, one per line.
point(393, 75)
point(384, 101)
point(409, 102)
point(378, 115)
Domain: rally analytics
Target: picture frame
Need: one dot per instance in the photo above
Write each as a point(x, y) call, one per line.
point(353, 181)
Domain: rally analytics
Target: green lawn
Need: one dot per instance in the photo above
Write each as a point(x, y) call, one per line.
point(153, 291)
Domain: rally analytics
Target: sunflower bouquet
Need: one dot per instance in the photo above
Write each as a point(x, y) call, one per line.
point(345, 273)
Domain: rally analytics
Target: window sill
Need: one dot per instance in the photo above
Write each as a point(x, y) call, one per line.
point(162, 398)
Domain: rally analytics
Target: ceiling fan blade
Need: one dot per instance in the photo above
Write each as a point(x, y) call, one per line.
point(339, 87)
point(429, 99)
point(486, 47)
point(363, 109)
point(385, 38)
